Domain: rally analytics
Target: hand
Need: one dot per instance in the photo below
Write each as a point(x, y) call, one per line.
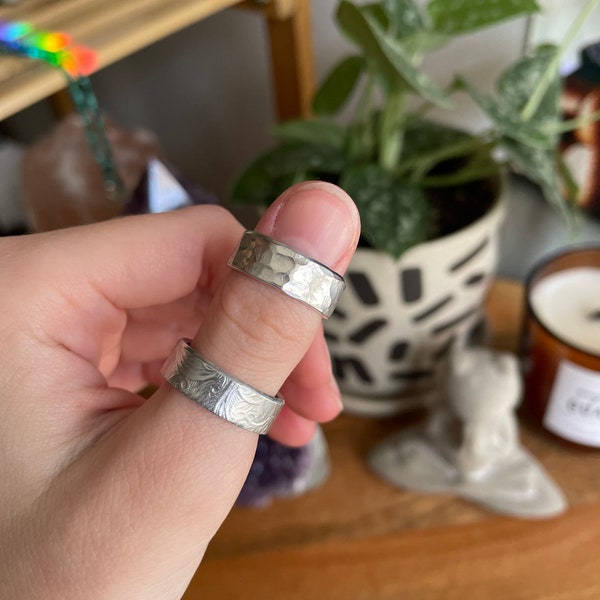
point(104, 494)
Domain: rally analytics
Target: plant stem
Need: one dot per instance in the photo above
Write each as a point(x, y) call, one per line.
point(364, 104)
point(426, 106)
point(390, 130)
point(420, 112)
point(575, 123)
point(545, 81)
point(571, 187)
point(356, 138)
point(460, 178)
point(420, 165)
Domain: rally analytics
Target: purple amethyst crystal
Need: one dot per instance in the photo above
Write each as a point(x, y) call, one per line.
point(280, 471)
point(161, 188)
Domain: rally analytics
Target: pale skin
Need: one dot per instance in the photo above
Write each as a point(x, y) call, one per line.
point(104, 494)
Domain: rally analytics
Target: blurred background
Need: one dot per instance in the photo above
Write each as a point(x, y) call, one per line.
point(206, 93)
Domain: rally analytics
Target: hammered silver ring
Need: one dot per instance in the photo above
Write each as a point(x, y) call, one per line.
point(295, 274)
point(222, 394)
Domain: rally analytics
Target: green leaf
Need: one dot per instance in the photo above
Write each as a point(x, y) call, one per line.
point(362, 141)
point(539, 165)
point(517, 84)
point(429, 145)
point(390, 59)
point(394, 214)
point(456, 17)
point(377, 13)
point(422, 42)
point(423, 137)
point(256, 188)
point(405, 17)
point(338, 85)
point(316, 132)
point(477, 166)
point(277, 169)
point(509, 122)
point(400, 18)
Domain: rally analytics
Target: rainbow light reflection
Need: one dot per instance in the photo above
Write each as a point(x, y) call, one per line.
point(52, 47)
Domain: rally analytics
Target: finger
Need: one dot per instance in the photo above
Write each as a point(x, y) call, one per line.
point(311, 390)
point(83, 280)
point(291, 429)
point(151, 333)
point(254, 331)
point(137, 375)
point(178, 467)
point(168, 255)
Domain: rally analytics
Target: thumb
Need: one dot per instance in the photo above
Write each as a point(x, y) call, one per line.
point(170, 472)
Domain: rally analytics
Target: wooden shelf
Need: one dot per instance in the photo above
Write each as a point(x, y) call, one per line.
point(116, 30)
point(358, 538)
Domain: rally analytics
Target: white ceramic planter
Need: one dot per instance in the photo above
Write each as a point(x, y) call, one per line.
point(398, 318)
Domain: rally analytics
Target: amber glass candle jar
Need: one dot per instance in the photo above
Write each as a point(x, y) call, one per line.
point(561, 345)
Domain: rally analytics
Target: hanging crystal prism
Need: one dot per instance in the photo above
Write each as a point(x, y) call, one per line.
point(19, 38)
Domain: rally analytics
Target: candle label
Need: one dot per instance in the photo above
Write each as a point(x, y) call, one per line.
point(573, 410)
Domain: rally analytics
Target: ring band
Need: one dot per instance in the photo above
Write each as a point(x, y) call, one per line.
point(225, 396)
point(296, 275)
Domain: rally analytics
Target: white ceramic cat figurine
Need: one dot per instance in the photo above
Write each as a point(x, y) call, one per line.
point(469, 444)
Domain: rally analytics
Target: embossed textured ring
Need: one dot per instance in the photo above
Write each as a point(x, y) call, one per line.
point(225, 396)
point(296, 275)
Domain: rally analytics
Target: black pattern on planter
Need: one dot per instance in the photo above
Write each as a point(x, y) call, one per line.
point(341, 366)
point(431, 310)
point(443, 350)
point(411, 285)
point(449, 324)
point(411, 375)
point(330, 337)
point(398, 351)
point(478, 333)
point(367, 330)
point(338, 313)
point(470, 256)
point(475, 279)
point(421, 320)
point(363, 287)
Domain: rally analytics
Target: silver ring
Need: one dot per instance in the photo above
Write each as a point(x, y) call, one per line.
point(298, 276)
point(225, 396)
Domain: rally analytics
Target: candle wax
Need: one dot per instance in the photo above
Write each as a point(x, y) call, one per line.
point(566, 302)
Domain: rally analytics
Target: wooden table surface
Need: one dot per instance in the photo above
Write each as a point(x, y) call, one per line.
point(358, 538)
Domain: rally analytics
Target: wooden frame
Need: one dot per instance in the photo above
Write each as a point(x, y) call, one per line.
point(117, 30)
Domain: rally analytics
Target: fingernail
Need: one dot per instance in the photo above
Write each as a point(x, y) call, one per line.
point(315, 218)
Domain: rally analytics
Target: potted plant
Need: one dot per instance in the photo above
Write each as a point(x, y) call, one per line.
point(428, 194)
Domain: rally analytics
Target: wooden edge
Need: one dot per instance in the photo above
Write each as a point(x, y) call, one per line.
point(292, 61)
point(272, 9)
